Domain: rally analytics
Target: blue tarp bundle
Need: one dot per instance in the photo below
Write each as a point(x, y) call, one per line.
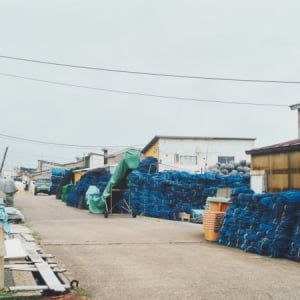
point(100, 179)
point(56, 176)
point(166, 194)
point(266, 224)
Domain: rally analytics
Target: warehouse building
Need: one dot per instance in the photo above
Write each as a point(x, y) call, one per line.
point(196, 154)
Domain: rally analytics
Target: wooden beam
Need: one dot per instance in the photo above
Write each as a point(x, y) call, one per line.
point(29, 288)
point(49, 277)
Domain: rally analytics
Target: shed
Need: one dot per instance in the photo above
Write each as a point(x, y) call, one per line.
point(280, 162)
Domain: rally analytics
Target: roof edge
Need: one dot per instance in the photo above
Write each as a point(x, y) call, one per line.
point(170, 137)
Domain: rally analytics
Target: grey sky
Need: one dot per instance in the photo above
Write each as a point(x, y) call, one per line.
point(241, 39)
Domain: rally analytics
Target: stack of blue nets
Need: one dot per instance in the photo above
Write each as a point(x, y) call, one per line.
point(56, 176)
point(162, 195)
point(265, 224)
point(166, 194)
point(76, 196)
point(294, 249)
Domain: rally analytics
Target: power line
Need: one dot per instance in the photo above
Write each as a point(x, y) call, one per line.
point(10, 137)
point(148, 73)
point(141, 94)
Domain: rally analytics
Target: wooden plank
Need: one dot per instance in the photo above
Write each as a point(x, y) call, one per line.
point(30, 288)
point(31, 246)
point(47, 255)
point(26, 265)
point(15, 228)
point(14, 249)
point(34, 257)
point(2, 243)
point(49, 277)
point(33, 269)
point(28, 237)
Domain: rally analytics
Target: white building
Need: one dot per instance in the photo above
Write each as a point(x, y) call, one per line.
point(196, 153)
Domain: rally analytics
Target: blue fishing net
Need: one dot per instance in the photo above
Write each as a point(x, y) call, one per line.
point(76, 196)
point(294, 248)
point(266, 224)
point(148, 165)
point(166, 194)
point(163, 195)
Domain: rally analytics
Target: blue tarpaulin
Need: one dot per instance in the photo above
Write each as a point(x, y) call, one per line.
point(56, 176)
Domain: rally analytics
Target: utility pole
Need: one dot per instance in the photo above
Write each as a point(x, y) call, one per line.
point(297, 107)
point(3, 160)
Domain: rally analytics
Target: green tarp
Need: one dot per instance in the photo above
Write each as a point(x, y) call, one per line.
point(129, 162)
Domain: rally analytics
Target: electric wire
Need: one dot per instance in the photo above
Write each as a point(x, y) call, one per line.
point(149, 73)
point(142, 94)
point(10, 137)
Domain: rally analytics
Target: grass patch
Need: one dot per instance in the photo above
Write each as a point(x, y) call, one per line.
point(80, 292)
point(7, 295)
point(36, 236)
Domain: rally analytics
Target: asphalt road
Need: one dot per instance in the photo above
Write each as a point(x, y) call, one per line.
point(146, 258)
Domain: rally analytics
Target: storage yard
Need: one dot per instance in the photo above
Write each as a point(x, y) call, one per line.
point(167, 234)
point(132, 258)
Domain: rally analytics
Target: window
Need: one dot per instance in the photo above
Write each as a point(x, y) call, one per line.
point(225, 159)
point(188, 160)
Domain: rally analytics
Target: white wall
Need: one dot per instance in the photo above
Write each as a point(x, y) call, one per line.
point(206, 151)
point(96, 161)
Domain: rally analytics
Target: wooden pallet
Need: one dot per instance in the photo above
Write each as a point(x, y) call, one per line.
point(34, 272)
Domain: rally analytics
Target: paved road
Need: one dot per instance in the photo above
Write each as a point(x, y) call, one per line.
point(145, 258)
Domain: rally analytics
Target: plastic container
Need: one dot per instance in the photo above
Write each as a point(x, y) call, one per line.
point(212, 222)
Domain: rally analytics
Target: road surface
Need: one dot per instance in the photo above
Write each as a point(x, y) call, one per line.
point(147, 258)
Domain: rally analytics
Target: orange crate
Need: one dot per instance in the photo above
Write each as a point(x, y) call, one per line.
point(211, 235)
point(212, 222)
point(218, 206)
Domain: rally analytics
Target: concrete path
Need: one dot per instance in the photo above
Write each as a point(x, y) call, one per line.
point(146, 258)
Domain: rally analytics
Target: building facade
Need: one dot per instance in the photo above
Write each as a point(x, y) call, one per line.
point(196, 154)
point(279, 163)
point(92, 160)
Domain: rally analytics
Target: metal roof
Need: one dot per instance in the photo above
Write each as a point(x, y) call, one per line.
point(288, 146)
point(114, 154)
point(170, 137)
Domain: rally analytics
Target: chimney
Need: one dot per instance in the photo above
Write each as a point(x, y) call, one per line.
point(293, 107)
point(105, 152)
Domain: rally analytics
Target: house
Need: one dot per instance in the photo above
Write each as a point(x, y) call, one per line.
point(195, 154)
point(279, 164)
point(114, 158)
point(92, 160)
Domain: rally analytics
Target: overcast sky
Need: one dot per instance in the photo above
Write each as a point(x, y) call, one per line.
point(229, 39)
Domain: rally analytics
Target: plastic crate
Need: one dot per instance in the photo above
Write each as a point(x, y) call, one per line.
point(212, 222)
point(218, 206)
